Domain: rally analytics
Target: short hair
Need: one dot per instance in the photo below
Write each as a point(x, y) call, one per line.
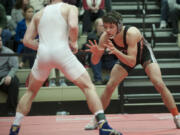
point(113, 17)
point(26, 7)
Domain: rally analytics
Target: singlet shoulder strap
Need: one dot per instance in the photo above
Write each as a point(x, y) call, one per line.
point(125, 32)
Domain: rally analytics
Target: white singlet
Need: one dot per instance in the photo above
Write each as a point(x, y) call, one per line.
point(54, 50)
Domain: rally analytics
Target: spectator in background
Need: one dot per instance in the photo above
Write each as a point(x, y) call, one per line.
point(72, 2)
point(9, 83)
point(174, 7)
point(108, 5)
point(38, 4)
point(8, 4)
point(93, 9)
point(20, 31)
point(17, 13)
point(6, 34)
point(164, 14)
point(56, 79)
point(107, 61)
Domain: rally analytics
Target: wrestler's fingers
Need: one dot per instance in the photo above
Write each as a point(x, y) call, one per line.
point(89, 46)
point(91, 43)
point(87, 50)
point(95, 42)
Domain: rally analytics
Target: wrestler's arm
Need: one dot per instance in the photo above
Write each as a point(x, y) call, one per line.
point(29, 39)
point(132, 39)
point(73, 24)
point(96, 56)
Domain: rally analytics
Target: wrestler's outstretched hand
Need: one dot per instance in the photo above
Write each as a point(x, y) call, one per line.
point(93, 47)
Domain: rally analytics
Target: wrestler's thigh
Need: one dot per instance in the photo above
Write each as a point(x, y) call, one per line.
point(117, 74)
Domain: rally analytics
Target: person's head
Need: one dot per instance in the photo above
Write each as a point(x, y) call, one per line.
point(113, 23)
point(98, 24)
point(28, 12)
point(21, 3)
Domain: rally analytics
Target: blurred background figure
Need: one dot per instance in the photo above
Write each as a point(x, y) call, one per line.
point(164, 14)
point(28, 13)
point(92, 11)
point(9, 83)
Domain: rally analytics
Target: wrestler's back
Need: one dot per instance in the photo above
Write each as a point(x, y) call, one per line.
point(53, 33)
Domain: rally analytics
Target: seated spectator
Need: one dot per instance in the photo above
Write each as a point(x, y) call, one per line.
point(9, 83)
point(174, 7)
point(164, 14)
point(92, 11)
point(20, 31)
point(107, 61)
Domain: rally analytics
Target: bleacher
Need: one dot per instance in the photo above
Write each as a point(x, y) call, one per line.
point(136, 90)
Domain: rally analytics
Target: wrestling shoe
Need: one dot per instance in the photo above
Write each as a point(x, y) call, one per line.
point(177, 121)
point(92, 125)
point(105, 129)
point(14, 130)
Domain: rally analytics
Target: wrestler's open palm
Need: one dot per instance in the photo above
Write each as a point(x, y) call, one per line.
point(93, 47)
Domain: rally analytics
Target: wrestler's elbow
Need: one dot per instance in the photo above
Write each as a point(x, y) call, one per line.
point(25, 41)
point(74, 29)
point(132, 63)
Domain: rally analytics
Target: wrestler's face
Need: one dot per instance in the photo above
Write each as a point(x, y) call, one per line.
point(110, 29)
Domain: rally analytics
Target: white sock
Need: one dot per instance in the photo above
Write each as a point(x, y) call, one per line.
point(18, 118)
point(100, 111)
point(96, 113)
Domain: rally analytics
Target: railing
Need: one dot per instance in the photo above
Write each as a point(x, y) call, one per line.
point(144, 11)
point(153, 36)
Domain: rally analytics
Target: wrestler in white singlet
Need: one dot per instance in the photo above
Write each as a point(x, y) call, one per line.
point(54, 50)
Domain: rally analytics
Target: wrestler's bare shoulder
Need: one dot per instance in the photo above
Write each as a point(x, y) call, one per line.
point(134, 32)
point(66, 7)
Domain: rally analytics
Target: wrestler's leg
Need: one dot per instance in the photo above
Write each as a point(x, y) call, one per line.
point(85, 84)
point(154, 73)
point(117, 75)
point(25, 102)
point(38, 75)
